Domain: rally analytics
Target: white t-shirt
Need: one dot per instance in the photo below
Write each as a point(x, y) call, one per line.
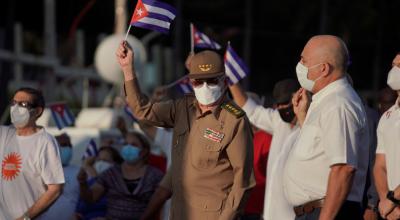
point(335, 131)
point(29, 163)
point(388, 143)
point(66, 203)
point(276, 205)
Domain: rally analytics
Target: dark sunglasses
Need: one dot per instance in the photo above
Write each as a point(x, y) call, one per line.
point(24, 104)
point(209, 81)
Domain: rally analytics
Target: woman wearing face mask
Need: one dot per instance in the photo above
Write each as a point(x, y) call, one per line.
point(128, 187)
point(31, 171)
point(94, 166)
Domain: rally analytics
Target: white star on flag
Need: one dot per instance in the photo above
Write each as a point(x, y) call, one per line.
point(140, 12)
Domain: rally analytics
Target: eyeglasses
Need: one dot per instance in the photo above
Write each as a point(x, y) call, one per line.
point(24, 104)
point(209, 81)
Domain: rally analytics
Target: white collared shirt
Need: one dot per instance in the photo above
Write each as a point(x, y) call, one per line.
point(388, 143)
point(275, 204)
point(335, 131)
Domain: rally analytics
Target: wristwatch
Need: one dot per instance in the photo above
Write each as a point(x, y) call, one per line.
point(390, 196)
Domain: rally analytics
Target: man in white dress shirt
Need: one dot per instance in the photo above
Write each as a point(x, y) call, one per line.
point(325, 172)
point(387, 162)
point(281, 123)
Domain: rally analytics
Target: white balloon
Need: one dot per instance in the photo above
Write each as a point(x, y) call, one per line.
point(106, 62)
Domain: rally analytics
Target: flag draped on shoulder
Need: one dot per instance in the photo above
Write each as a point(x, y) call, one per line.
point(91, 150)
point(200, 40)
point(153, 15)
point(62, 116)
point(235, 68)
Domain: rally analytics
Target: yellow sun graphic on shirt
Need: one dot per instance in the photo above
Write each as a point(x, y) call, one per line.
point(11, 166)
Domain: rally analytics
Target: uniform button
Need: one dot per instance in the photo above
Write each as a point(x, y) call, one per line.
point(205, 206)
point(208, 147)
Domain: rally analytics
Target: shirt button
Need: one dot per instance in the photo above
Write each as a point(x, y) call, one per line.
point(205, 206)
point(208, 147)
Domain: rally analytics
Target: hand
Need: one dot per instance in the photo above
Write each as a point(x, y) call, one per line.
point(82, 176)
point(385, 207)
point(300, 103)
point(188, 60)
point(125, 56)
point(370, 215)
point(394, 215)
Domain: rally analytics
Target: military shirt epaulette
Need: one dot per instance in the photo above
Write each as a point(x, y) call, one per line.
point(236, 111)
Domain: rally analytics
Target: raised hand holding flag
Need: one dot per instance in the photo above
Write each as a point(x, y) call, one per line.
point(154, 15)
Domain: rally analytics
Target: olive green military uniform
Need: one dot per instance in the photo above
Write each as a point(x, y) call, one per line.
point(212, 155)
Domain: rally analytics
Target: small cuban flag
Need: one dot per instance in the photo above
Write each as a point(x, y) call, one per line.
point(200, 40)
point(184, 86)
point(153, 15)
point(91, 150)
point(235, 68)
point(62, 115)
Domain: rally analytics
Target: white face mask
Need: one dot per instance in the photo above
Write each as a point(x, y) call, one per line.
point(206, 94)
point(302, 72)
point(19, 116)
point(101, 166)
point(394, 78)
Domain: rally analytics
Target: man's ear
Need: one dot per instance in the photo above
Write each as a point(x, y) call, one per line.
point(326, 69)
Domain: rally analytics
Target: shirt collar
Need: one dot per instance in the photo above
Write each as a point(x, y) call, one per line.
point(329, 89)
point(216, 111)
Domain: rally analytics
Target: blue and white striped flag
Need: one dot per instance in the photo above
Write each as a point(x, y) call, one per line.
point(153, 15)
point(91, 150)
point(184, 86)
point(200, 40)
point(62, 116)
point(235, 68)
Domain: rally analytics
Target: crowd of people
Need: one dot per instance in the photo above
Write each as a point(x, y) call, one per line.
point(318, 153)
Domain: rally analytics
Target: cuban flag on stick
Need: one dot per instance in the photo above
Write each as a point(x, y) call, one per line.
point(235, 68)
point(62, 115)
point(91, 150)
point(153, 15)
point(201, 40)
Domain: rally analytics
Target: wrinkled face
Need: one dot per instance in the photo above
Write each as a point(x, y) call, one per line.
point(309, 60)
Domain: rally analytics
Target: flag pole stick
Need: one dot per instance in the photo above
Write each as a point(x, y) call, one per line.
point(175, 82)
point(127, 32)
point(191, 39)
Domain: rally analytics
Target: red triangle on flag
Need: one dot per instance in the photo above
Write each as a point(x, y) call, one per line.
point(140, 12)
point(58, 108)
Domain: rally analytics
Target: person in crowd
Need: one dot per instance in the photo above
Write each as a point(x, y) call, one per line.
point(68, 199)
point(262, 143)
point(386, 99)
point(281, 123)
point(212, 154)
point(31, 171)
point(95, 166)
point(387, 163)
point(128, 187)
point(325, 172)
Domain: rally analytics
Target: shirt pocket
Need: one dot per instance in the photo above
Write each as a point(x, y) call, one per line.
point(205, 154)
point(207, 203)
point(307, 143)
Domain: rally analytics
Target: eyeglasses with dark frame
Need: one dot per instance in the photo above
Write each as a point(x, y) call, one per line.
point(24, 104)
point(209, 81)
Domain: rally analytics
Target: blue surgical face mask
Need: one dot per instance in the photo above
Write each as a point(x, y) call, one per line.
point(130, 153)
point(66, 155)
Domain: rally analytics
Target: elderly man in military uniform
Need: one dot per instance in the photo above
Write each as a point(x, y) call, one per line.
point(212, 155)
